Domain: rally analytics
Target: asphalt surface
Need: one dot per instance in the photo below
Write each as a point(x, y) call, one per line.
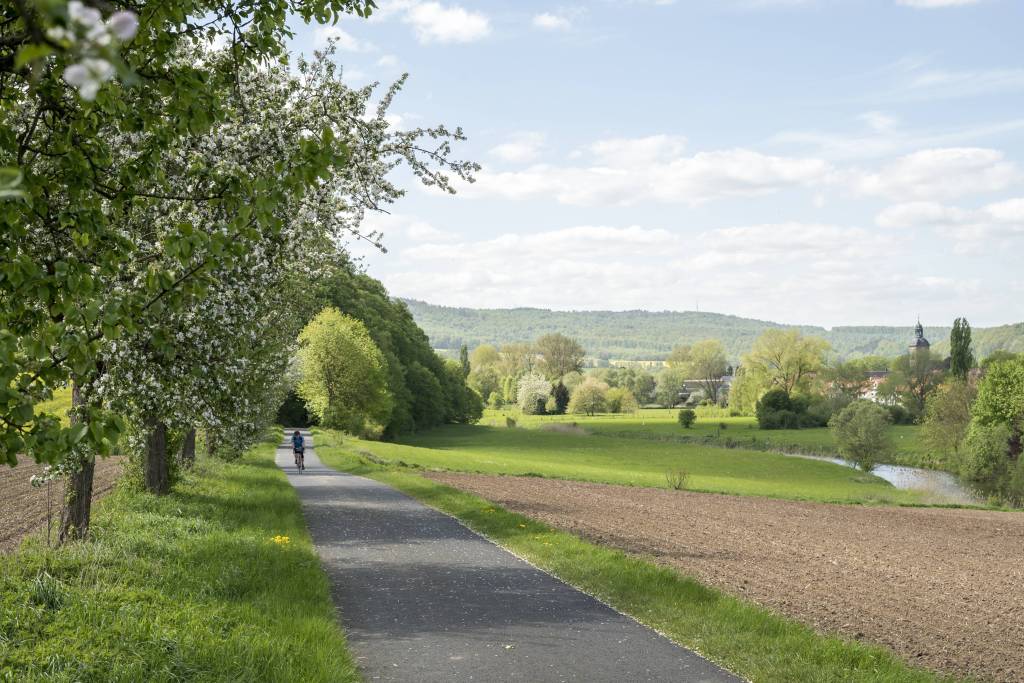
point(422, 598)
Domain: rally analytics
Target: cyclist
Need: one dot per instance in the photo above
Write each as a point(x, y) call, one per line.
point(299, 448)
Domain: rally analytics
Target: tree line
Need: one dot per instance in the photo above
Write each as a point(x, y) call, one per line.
point(364, 366)
point(651, 335)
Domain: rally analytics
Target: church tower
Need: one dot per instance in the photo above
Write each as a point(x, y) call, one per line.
point(919, 342)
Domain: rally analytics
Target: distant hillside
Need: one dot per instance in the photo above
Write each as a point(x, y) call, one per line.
point(643, 335)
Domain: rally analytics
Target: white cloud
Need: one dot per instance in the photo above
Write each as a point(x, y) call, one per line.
point(792, 272)
point(879, 121)
point(944, 83)
point(421, 231)
point(344, 40)
point(624, 171)
point(970, 229)
point(884, 136)
point(947, 173)
point(776, 244)
point(411, 227)
point(551, 22)
point(521, 148)
point(388, 61)
point(932, 4)
point(437, 23)
point(637, 151)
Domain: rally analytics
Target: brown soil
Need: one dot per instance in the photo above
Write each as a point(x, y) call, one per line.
point(23, 506)
point(942, 588)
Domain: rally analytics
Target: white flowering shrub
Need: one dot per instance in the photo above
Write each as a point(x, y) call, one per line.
point(533, 393)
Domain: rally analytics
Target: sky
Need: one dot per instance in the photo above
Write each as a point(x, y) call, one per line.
point(828, 162)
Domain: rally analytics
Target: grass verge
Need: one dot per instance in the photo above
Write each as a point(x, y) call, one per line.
point(190, 586)
point(748, 640)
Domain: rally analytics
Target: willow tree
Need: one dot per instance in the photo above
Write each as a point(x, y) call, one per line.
point(785, 359)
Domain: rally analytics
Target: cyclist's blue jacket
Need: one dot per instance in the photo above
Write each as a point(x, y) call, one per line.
point(297, 442)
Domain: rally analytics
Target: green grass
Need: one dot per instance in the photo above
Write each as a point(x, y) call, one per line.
point(658, 423)
point(636, 462)
point(751, 641)
point(185, 587)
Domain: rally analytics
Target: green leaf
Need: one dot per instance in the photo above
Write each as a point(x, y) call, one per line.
point(30, 53)
point(77, 432)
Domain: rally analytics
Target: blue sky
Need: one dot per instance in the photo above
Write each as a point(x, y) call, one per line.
point(817, 161)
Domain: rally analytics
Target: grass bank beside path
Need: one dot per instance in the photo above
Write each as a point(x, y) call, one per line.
point(748, 640)
point(738, 432)
point(637, 462)
point(190, 586)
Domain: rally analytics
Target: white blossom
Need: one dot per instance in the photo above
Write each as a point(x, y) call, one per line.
point(88, 75)
point(84, 15)
point(123, 25)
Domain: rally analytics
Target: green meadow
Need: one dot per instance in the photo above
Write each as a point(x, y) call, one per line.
point(567, 453)
point(660, 424)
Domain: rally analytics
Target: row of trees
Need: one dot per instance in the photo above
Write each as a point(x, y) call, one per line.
point(163, 234)
point(377, 385)
point(496, 373)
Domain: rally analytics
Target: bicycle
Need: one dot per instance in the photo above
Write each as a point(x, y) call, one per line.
point(300, 458)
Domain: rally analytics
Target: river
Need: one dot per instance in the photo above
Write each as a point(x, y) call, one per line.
point(943, 487)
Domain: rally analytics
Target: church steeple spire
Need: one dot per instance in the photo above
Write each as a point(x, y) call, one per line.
point(919, 341)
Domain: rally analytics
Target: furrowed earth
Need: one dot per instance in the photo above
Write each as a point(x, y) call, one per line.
point(940, 587)
point(24, 506)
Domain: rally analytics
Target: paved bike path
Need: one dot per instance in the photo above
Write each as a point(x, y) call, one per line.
point(422, 598)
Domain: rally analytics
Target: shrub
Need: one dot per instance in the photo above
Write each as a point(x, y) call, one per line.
point(775, 410)
point(686, 418)
point(723, 425)
point(986, 462)
point(900, 415)
point(589, 397)
point(510, 423)
point(820, 409)
point(495, 400)
point(620, 400)
point(861, 431)
point(677, 479)
point(532, 393)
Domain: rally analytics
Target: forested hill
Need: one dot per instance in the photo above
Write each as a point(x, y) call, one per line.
point(647, 335)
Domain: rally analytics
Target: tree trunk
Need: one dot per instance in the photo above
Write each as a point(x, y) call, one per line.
point(211, 443)
point(74, 518)
point(188, 449)
point(155, 466)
